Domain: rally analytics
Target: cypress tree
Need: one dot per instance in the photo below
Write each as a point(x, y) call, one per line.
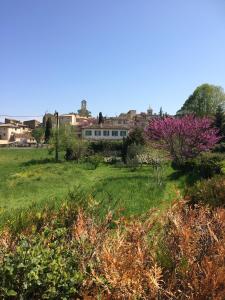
point(48, 130)
point(161, 112)
point(100, 118)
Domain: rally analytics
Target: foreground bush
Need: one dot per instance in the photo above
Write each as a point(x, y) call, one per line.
point(92, 161)
point(206, 165)
point(76, 151)
point(42, 266)
point(211, 192)
point(194, 246)
point(220, 148)
point(70, 256)
point(107, 148)
point(136, 138)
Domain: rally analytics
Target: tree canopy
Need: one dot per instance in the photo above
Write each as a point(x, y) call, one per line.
point(220, 121)
point(183, 137)
point(135, 137)
point(204, 101)
point(38, 134)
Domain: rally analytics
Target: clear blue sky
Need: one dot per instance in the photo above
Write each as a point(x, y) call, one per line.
point(117, 54)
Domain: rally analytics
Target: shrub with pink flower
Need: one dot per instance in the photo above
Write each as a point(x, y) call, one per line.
point(183, 137)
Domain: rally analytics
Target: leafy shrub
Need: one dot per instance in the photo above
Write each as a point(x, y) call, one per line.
point(209, 165)
point(76, 151)
point(133, 151)
point(211, 192)
point(106, 147)
point(204, 166)
point(93, 161)
point(136, 137)
point(42, 266)
point(219, 148)
point(158, 171)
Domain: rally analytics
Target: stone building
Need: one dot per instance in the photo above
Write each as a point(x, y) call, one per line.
point(32, 124)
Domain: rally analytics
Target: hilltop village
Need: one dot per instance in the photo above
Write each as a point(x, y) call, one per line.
point(19, 133)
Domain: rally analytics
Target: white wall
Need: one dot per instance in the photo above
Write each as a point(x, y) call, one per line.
point(102, 137)
point(6, 132)
point(67, 120)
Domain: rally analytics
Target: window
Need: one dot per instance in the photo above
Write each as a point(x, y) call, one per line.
point(88, 132)
point(123, 133)
point(106, 132)
point(97, 132)
point(114, 133)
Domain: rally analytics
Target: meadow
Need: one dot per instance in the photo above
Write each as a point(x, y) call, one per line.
point(31, 179)
point(95, 230)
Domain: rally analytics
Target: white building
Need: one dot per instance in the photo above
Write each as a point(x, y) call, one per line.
point(104, 132)
point(11, 133)
point(71, 119)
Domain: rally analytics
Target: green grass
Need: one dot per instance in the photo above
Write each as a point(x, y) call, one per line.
point(30, 178)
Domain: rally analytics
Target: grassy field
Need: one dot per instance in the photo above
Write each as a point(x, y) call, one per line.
point(30, 178)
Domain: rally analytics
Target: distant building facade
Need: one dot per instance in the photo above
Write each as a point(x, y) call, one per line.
point(72, 119)
point(12, 121)
point(132, 119)
point(32, 124)
point(104, 132)
point(15, 134)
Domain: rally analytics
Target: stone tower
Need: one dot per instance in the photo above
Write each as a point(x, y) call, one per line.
point(83, 112)
point(150, 111)
point(84, 105)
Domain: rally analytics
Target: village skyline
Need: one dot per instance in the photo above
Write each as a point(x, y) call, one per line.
point(74, 110)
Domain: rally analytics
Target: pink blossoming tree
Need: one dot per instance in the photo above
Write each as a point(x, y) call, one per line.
point(183, 137)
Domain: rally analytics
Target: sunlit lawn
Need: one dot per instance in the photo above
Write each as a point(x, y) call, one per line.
point(29, 177)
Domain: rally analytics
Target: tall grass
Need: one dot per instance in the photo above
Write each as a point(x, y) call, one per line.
point(31, 179)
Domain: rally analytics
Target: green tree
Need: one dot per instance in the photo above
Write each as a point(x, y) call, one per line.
point(220, 121)
point(38, 134)
point(135, 137)
point(133, 151)
point(161, 112)
point(100, 118)
point(65, 138)
point(48, 130)
point(68, 143)
point(204, 101)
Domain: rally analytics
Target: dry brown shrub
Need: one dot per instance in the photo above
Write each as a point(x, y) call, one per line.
point(120, 259)
point(7, 243)
point(195, 243)
point(128, 266)
point(120, 262)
